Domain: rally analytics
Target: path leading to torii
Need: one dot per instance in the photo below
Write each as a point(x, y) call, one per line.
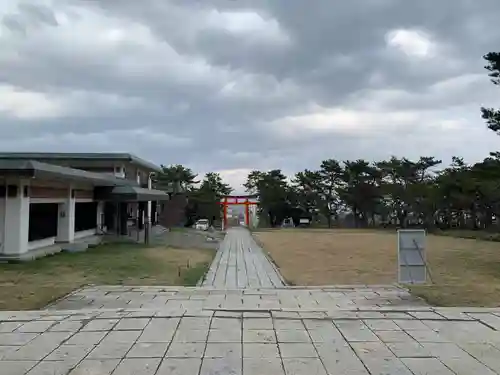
point(241, 263)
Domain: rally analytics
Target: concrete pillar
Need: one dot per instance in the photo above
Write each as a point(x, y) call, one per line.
point(123, 220)
point(154, 218)
point(66, 218)
point(2, 217)
point(148, 211)
point(100, 216)
point(17, 214)
point(110, 211)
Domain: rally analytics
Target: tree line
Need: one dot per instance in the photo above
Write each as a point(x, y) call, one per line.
point(393, 192)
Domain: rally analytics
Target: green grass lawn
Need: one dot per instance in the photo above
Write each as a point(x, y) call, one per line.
point(32, 285)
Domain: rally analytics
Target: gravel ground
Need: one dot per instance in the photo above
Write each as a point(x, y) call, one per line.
point(184, 238)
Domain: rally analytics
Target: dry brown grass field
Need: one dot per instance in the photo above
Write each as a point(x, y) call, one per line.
point(464, 272)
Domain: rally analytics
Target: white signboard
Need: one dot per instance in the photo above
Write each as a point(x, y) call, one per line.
point(304, 221)
point(412, 266)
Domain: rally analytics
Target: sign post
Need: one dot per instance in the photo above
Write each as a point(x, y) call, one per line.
point(412, 266)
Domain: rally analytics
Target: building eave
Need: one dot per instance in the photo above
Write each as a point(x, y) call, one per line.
point(46, 156)
point(35, 169)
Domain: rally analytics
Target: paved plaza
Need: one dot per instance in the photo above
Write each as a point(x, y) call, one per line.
point(224, 327)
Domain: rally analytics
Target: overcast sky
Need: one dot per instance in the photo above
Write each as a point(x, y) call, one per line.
point(232, 86)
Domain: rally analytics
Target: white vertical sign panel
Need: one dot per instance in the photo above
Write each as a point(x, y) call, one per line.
point(412, 266)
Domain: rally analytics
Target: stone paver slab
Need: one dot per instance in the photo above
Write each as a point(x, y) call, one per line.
point(36, 326)
point(394, 336)
point(254, 366)
point(382, 325)
point(16, 338)
point(412, 349)
point(189, 323)
point(51, 368)
point(299, 366)
point(293, 335)
point(121, 337)
point(223, 335)
point(148, 350)
point(68, 326)
point(110, 350)
point(370, 349)
point(179, 366)
point(226, 323)
point(129, 324)
point(86, 338)
point(259, 335)
point(186, 350)
point(259, 350)
point(16, 367)
point(340, 360)
point(191, 335)
point(219, 366)
point(257, 323)
point(100, 325)
point(137, 366)
point(383, 366)
point(223, 350)
point(93, 367)
point(467, 366)
point(6, 327)
point(71, 354)
point(295, 350)
point(426, 366)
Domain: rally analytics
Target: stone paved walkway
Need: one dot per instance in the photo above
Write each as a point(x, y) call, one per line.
point(241, 263)
point(200, 299)
point(276, 330)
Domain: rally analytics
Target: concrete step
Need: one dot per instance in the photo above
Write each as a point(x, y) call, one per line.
point(74, 247)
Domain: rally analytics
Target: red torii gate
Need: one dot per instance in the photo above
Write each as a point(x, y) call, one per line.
point(231, 200)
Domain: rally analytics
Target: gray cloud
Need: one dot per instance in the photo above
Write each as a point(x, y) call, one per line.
point(236, 85)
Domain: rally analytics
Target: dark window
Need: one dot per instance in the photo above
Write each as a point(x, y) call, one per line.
point(42, 221)
point(85, 216)
point(11, 191)
point(109, 215)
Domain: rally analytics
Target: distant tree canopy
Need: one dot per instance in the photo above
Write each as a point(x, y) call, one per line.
point(492, 116)
point(397, 191)
point(276, 198)
point(175, 179)
point(203, 200)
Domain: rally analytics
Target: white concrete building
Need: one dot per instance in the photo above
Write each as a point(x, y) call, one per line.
point(50, 201)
